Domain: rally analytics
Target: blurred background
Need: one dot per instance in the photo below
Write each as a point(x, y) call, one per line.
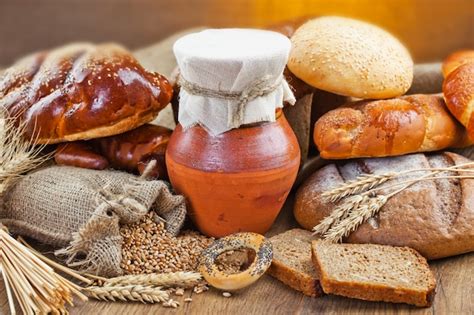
point(431, 29)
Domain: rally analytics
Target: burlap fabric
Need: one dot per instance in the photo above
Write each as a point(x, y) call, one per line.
point(81, 210)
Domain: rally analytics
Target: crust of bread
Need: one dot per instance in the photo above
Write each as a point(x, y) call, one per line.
point(374, 292)
point(456, 59)
point(458, 89)
point(350, 57)
point(119, 127)
point(82, 91)
point(299, 281)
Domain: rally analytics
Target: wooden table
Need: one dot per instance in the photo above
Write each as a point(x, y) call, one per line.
point(455, 294)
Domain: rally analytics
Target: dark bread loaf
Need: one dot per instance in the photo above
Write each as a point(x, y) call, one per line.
point(292, 264)
point(436, 218)
point(407, 124)
point(374, 272)
point(82, 91)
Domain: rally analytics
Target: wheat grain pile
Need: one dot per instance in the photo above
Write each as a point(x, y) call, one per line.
point(148, 248)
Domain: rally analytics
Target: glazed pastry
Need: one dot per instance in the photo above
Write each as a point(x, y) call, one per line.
point(407, 124)
point(457, 59)
point(80, 154)
point(130, 151)
point(458, 89)
point(82, 91)
point(229, 282)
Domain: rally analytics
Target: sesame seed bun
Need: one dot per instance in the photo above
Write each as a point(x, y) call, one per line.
point(351, 58)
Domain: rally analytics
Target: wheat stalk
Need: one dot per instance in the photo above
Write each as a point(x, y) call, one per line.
point(356, 186)
point(37, 288)
point(35, 285)
point(355, 218)
point(367, 182)
point(134, 293)
point(183, 279)
point(17, 156)
point(340, 212)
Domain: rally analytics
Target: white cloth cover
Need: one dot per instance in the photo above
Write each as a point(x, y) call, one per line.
point(231, 60)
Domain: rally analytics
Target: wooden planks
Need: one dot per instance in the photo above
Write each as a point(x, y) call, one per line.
point(455, 295)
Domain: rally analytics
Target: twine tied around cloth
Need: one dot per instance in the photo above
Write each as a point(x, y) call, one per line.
point(260, 87)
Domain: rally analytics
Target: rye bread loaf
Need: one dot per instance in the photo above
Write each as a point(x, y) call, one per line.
point(292, 264)
point(435, 217)
point(374, 272)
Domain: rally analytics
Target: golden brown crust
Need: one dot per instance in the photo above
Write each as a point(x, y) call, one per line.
point(456, 59)
point(82, 91)
point(414, 123)
point(458, 89)
point(350, 57)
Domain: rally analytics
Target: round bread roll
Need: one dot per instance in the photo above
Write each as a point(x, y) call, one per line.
point(457, 59)
point(351, 58)
point(458, 89)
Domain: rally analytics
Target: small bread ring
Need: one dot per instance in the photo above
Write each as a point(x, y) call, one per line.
point(230, 282)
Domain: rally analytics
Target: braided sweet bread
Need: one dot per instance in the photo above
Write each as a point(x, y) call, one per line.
point(82, 91)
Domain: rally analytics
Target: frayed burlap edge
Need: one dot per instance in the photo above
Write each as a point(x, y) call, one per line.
point(97, 247)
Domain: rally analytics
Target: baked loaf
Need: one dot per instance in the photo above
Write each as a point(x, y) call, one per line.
point(436, 218)
point(292, 264)
point(350, 57)
point(414, 123)
point(374, 272)
point(130, 151)
point(458, 89)
point(82, 91)
point(457, 59)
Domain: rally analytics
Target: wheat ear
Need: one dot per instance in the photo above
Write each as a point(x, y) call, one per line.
point(355, 218)
point(356, 186)
point(340, 212)
point(183, 279)
point(17, 156)
point(134, 293)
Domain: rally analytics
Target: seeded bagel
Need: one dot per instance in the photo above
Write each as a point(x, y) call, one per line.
point(227, 281)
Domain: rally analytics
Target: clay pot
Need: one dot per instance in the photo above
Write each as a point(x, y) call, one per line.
point(236, 181)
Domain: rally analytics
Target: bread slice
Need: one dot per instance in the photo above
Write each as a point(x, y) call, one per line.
point(292, 262)
point(374, 272)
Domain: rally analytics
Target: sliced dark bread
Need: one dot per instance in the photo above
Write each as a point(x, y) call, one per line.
point(374, 272)
point(291, 262)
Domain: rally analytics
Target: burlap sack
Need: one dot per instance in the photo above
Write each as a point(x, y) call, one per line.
point(81, 210)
